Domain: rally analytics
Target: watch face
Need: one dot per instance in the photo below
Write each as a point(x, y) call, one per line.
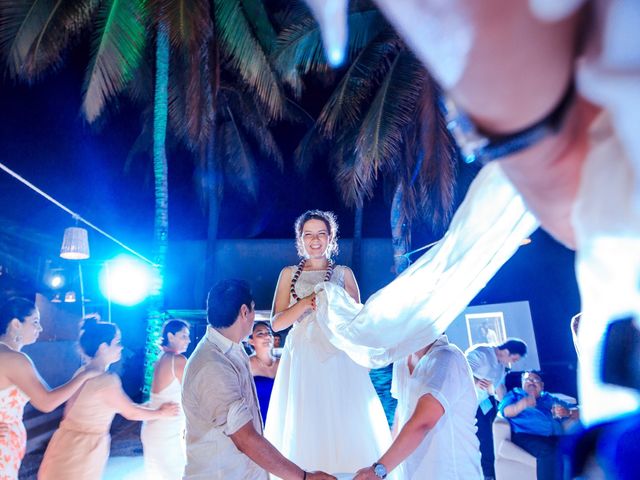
point(380, 470)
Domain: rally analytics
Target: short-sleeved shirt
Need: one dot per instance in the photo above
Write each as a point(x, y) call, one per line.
point(450, 451)
point(218, 398)
point(485, 366)
point(536, 420)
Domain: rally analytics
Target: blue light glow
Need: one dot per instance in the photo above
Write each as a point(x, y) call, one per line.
point(126, 280)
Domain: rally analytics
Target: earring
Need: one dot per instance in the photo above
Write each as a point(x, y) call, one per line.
point(17, 338)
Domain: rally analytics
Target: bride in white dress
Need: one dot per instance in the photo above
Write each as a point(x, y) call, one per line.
point(163, 439)
point(324, 412)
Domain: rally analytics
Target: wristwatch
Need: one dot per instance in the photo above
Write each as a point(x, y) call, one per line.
point(380, 470)
point(476, 146)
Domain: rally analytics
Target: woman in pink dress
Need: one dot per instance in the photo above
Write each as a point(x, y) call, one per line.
point(20, 382)
point(79, 449)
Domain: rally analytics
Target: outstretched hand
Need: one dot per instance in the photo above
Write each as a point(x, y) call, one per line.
point(365, 474)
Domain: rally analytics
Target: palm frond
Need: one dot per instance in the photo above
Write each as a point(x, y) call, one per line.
point(254, 123)
point(261, 24)
point(299, 50)
point(393, 108)
point(246, 55)
point(437, 179)
point(35, 34)
point(240, 165)
point(189, 21)
point(345, 105)
point(118, 46)
point(354, 177)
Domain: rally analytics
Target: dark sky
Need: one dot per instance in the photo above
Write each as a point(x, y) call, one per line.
point(45, 139)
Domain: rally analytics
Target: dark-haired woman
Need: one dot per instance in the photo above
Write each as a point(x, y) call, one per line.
point(163, 439)
point(20, 382)
point(79, 449)
point(263, 364)
point(324, 413)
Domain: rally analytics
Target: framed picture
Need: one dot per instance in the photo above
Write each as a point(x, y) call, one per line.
point(485, 328)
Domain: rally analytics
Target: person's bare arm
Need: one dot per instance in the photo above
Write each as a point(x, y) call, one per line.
point(116, 398)
point(264, 454)
point(283, 316)
point(24, 375)
point(350, 284)
point(426, 415)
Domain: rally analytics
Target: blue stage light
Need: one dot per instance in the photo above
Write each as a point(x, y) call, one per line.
point(126, 280)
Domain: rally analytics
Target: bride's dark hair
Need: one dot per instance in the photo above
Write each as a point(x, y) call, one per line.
point(329, 219)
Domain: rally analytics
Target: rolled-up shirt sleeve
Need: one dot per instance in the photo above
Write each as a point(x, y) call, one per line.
point(475, 361)
point(221, 399)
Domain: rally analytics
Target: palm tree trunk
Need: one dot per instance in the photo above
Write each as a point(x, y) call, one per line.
point(356, 246)
point(214, 197)
point(400, 232)
point(155, 317)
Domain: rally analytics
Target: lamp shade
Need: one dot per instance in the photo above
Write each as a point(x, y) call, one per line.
point(75, 244)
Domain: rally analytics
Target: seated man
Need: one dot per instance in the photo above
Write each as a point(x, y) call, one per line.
point(436, 411)
point(536, 419)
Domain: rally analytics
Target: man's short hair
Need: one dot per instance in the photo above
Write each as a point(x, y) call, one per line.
point(538, 373)
point(224, 301)
point(515, 347)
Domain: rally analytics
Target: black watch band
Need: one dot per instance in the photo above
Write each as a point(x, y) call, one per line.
point(474, 146)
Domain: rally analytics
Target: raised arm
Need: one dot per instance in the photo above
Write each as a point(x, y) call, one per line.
point(283, 316)
point(24, 375)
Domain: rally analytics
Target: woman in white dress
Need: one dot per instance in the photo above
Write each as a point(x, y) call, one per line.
point(163, 439)
point(324, 412)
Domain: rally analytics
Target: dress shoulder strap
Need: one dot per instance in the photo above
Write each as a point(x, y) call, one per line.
point(338, 275)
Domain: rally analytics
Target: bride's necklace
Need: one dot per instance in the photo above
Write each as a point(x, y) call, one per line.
point(294, 279)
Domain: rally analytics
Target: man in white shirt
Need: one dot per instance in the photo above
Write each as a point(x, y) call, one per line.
point(435, 418)
point(224, 425)
point(489, 365)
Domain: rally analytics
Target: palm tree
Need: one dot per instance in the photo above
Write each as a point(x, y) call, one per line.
point(382, 118)
point(201, 42)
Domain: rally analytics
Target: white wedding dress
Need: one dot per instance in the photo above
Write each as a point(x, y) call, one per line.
point(163, 439)
point(324, 413)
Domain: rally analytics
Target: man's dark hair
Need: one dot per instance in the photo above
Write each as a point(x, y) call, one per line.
point(515, 346)
point(224, 301)
point(538, 373)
